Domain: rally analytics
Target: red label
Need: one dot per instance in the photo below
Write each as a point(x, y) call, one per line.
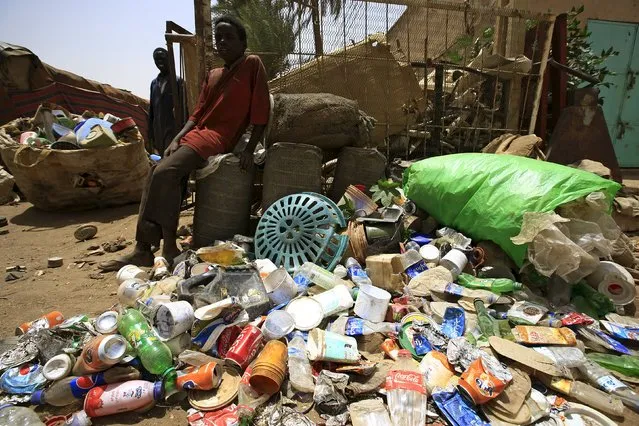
point(407, 380)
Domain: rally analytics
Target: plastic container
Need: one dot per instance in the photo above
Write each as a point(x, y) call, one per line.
point(128, 272)
point(58, 367)
point(357, 166)
point(455, 261)
point(334, 300)
point(223, 195)
point(277, 325)
point(372, 303)
point(614, 281)
point(318, 275)
point(99, 354)
point(122, 397)
point(362, 203)
point(173, 318)
point(306, 312)
point(291, 168)
point(269, 369)
point(588, 395)
point(280, 286)
point(326, 346)
point(430, 253)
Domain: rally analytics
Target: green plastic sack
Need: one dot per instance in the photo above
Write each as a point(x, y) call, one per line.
point(484, 196)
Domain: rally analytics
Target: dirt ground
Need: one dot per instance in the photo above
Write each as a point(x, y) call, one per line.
point(35, 235)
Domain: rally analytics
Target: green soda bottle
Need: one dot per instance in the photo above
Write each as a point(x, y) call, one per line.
point(487, 324)
point(496, 285)
point(154, 354)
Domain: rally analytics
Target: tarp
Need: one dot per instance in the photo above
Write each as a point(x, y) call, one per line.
point(26, 82)
point(485, 196)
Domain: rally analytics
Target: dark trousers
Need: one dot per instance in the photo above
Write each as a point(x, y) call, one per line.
point(162, 196)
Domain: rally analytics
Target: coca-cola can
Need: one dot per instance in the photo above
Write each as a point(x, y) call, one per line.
point(226, 339)
point(245, 347)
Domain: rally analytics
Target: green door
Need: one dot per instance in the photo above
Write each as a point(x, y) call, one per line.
point(621, 99)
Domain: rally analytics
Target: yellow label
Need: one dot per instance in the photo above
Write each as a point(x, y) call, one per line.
point(561, 385)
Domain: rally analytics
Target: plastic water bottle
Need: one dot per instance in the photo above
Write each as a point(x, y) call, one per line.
point(299, 367)
point(406, 392)
point(356, 273)
point(352, 326)
point(154, 354)
point(23, 416)
point(79, 418)
point(318, 275)
point(600, 377)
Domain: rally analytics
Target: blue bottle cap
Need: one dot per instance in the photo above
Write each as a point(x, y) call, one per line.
point(36, 397)
point(158, 390)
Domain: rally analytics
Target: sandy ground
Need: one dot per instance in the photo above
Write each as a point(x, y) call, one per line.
point(35, 235)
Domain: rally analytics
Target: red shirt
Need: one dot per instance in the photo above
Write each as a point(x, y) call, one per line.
point(230, 99)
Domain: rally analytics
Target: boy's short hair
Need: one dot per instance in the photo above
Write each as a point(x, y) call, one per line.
point(231, 20)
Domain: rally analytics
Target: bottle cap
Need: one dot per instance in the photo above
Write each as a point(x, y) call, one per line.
point(158, 391)
point(36, 397)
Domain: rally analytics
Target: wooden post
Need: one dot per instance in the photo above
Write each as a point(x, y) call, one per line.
point(558, 78)
point(501, 31)
point(204, 37)
point(515, 44)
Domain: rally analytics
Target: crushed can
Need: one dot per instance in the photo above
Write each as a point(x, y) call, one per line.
point(245, 347)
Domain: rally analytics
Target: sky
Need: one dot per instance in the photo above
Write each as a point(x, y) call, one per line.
point(111, 41)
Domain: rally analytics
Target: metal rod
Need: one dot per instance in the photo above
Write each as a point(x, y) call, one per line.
point(571, 71)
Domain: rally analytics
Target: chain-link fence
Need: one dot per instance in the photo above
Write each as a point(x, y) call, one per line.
point(438, 76)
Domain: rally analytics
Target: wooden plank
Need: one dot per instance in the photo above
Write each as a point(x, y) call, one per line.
point(542, 71)
point(559, 79)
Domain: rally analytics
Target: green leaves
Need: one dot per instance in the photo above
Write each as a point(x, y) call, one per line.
point(384, 192)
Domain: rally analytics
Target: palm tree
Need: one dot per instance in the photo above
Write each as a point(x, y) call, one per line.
point(271, 29)
point(334, 6)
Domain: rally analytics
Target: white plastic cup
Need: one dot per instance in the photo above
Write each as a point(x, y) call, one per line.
point(335, 300)
point(455, 261)
point(277, 325)
point(128, 272)
point(372, 303)
point(430, 253)
point(280, 287)
point(172, 319)
point(327, 346)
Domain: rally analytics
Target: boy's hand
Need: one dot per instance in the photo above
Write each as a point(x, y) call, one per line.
point(173, 146)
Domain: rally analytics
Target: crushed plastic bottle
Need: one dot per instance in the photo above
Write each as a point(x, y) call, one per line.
point(406, 392)
point(11, 415)
point(299, 368)
point(318, 275)
point(353, 326)
point(600, 377)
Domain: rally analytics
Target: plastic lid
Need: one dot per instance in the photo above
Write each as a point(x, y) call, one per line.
point(57, 367)
point(306, 312)
point(37, 397)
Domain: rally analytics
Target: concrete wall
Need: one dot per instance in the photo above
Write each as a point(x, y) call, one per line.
point(610, 10)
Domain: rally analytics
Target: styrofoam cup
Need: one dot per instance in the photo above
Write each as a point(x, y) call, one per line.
point(277, 325)
point(455, 261)
point(372, 303)
point(280, 286)
point(335, 300)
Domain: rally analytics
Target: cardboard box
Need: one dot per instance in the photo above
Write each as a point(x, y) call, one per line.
point(384, 273)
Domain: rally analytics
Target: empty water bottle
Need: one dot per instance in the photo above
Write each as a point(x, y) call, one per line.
point(357, 273)
point(299, 368)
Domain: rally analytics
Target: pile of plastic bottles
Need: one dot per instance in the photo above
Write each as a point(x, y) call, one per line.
point(443, 328)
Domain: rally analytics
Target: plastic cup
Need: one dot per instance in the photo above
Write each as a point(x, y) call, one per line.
point(372, 303)
point(277, 325)
point(269, 368)
point(455, 261)
point(334, 300)
point(128, 272)
point(280, 287)
point(327, 346)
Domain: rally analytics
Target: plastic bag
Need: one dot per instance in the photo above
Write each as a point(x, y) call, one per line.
point(485, 196)
point(551, 250)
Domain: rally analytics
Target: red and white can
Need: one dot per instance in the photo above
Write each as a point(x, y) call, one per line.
point(226, 339)
point(245, 347)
